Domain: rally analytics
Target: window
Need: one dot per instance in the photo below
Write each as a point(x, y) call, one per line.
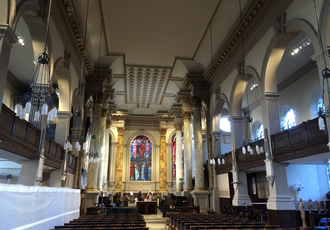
point(260, 132)
point(225, 124)
point(140, 159)
point(320, 105)
point(288, 120)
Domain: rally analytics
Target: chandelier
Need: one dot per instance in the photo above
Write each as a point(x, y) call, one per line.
point(92, 155)
point(39, 95)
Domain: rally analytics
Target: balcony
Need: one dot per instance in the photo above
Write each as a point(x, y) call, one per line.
point(300, 141)
point(22, 138)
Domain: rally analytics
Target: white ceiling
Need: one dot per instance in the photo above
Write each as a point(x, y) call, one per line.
point(152, 34)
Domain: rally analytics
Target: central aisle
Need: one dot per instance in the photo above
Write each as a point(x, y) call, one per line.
point(155, 222)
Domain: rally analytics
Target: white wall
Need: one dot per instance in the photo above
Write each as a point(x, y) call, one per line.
point(313, 178)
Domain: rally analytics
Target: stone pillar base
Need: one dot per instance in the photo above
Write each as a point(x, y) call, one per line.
point(280, 202)
point(241, 200)
point(201, 199)
point(185, 193)
point(90, 199)
point(178, 193)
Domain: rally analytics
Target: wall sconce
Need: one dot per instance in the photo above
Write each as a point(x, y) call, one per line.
point(270, 172)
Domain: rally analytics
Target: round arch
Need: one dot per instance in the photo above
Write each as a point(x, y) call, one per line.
point(276, 49)
point(63, 77)
point(7, 12)
point(239, 88)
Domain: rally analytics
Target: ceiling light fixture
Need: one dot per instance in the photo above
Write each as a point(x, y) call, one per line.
point(303, 43)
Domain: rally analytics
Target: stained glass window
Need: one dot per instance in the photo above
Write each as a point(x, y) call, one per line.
point(174, 157)
point(140, 159)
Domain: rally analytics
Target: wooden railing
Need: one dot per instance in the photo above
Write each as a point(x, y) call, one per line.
point(22, 138)
point(300, 141)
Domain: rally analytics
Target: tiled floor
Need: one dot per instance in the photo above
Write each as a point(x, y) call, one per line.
point(155, 222)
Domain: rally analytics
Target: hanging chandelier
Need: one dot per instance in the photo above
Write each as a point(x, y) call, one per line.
point(39, 95)
point(92, 155)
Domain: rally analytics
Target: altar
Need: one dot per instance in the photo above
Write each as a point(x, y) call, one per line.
point(147, 207)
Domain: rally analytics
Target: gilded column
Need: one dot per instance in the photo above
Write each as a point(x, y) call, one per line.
point(187, 152)
point(198, 146)
point(178, 160)
point(162, 161)
point(119, 159)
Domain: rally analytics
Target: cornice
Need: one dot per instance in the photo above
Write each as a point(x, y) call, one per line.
point(7, 32)
point(257, 19)
point(74, 26)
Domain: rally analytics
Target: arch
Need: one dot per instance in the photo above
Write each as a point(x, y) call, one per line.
point(22, 8)
point(141, 152)
point(276, 49)
point(238, 90)
point(325, 23)
point(139, 133)
point(7, 12)
point(63, 77)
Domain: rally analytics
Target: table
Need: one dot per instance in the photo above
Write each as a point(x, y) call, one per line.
point(147, 207)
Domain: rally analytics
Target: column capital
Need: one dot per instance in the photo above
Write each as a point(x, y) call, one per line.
point(178, 126)
point(64, 114)
point(186, 116)
point(271, 96)
point(319, 56)
point(236, 118)
point(120, 131)
point(162, 131)
point(104, 112)
point(197, 102)
point(7, 32)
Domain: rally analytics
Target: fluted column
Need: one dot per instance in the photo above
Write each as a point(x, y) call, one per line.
point(7, 38)
point(119, 160)
point(162, 161)
point(271, 116)
point(92, 176)
point(102, 148)
point(178, 160)
point(187, 152)
point(198, 146)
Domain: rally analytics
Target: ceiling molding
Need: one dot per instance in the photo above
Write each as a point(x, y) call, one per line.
point(256, 19)
point(75, 27)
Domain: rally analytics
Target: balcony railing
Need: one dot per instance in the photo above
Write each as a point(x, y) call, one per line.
point(22, 138)
point(300, 141)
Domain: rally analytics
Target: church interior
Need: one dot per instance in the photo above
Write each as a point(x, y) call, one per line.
point(187, 107)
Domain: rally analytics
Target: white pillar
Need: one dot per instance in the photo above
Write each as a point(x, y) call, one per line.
point(178, 160)
point(187, 153)
point(198, 146)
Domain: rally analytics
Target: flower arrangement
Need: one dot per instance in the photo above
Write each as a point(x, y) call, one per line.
point(297, 187)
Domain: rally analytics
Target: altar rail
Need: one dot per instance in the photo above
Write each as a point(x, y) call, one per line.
point(300, 141)
point(22, 138)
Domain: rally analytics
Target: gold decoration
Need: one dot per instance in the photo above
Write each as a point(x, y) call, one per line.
point(119, 159)
point(186, 116)
point(178, 126)
point(162, 160)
